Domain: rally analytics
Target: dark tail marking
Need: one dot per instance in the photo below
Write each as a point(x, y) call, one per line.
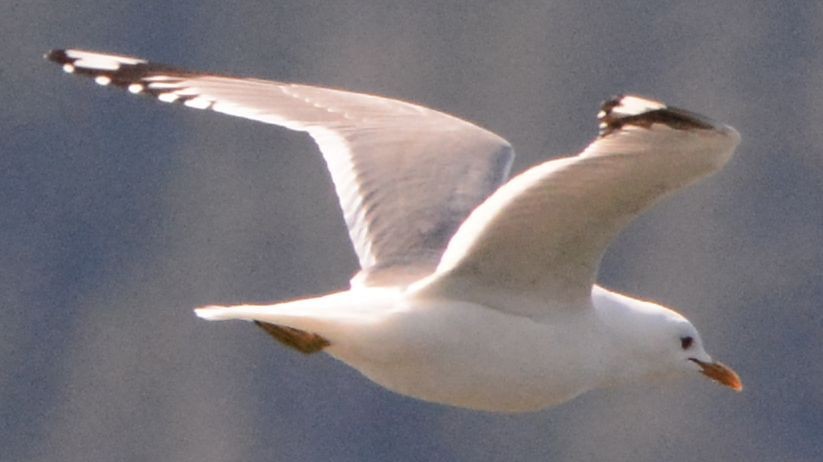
point(304, 342)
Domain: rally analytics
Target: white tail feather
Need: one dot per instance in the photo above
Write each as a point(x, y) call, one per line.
point(329, 316)
point(218, 313)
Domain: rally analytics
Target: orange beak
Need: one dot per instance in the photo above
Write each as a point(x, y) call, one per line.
point(720, 373)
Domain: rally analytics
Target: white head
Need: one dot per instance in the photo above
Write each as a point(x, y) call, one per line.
point(651, 341)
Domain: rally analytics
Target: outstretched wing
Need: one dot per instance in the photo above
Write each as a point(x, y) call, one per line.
point(406, 176)
point(541, 236)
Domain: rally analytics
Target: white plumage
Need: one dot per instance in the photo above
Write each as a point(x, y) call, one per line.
point(470, 293)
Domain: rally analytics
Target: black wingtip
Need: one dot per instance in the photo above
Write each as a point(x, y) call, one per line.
point(607, 106)
point(126, 72)
point(622, 110)
point(57, 56)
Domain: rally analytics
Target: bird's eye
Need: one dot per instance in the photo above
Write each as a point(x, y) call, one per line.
point(686, 342)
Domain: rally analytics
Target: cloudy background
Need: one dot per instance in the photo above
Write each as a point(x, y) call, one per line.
point(120, 215)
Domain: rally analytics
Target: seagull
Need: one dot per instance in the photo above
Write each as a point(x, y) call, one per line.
point(473, 291)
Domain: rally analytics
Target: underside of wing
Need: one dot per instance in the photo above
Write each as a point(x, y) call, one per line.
point(541, 236)
point(406, 176)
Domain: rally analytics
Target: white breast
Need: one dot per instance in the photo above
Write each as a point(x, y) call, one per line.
point(467, 355)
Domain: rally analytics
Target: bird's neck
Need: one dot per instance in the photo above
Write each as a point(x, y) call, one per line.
point(628, 342)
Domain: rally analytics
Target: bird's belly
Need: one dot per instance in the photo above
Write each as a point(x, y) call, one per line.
point(468, 356)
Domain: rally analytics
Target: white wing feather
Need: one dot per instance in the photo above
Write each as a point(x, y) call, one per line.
point(377, 151)
point(541, 236)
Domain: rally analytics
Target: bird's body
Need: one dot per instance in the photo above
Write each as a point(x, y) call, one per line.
point(470, 293)
point(446, 351)
point(470, 355)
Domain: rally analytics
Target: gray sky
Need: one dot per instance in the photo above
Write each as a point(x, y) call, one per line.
point(120, 215)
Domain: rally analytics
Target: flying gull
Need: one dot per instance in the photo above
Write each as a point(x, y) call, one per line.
point(473, 291)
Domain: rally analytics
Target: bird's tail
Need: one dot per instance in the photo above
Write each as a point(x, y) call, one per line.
point(330, 316)
point(217, 313)
point(301, 314)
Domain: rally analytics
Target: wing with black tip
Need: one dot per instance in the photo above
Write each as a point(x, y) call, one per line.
point(542, 235)
point(406, 176)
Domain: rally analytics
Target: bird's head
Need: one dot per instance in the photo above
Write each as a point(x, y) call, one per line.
point(661, 342)
point(686, 352)
point(683, 350)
